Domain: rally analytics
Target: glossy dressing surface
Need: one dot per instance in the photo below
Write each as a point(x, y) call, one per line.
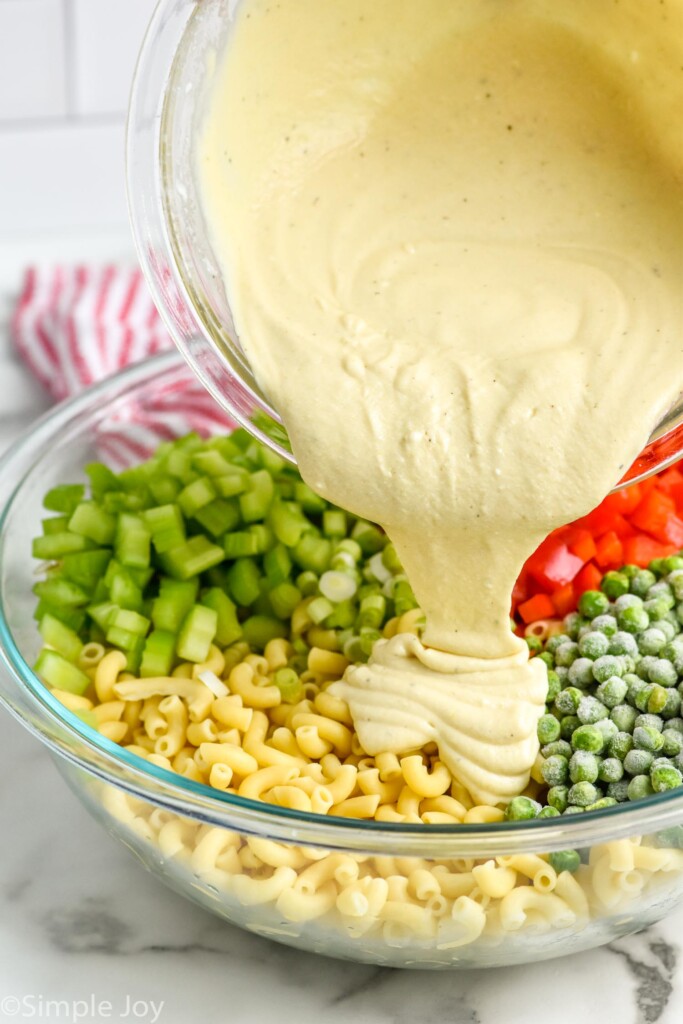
point(452, 239)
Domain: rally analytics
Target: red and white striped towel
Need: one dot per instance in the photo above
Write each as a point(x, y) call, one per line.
point(74, 326)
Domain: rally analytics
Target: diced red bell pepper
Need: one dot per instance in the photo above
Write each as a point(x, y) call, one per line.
point(564, 600)
point(553, 565)
point(652, 515)
point(623, 502)
point(622, 528)
point(538, 607)
point(588, 579)
point(609, 550)
point(582, 544)
point(641, 550)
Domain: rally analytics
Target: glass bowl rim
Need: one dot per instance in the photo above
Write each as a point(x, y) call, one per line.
point(104, 759)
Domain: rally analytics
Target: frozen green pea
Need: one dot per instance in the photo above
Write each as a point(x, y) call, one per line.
point(599, 805)
point(561, 747)
point(627, 601)
point(633, 619)
point(667, 627)
point(582, 794)
point(558, 798)
point(673, 704)
point(583, 767)
point(606, 667)
point(624, 717)
point(606, 624)
point(638, 761)
point(663, 673)
point(533, 643)
point(554, 686)
point(614, 584)
point(640, 787)
point(581, 671)
point(548, 812)
point(620, 745)
point(676, 724)
point(652, 698)
point(592, 603)
point(665, 777)
point(565, 860)
point(661, 591)
point(612, 692)
point(572, 623)
point(555, 770)
point(593, 644)
point(522, 808)
point(547, 659)
point(574, 809)
point(568, 700)
point(642, 581)
point(562, 674)
point(610, 770)
point(644, 665)
point(675, 581)
point(672, 564)
point(651, 721)
point(651, 641)
point(567, 654)
point(548, 729)
point(588, 738)
point(568, 726)
point(623, 643)
point(647, 738)
point(619, 790)
point(673, 742)
point(553, 642)
point(591, 710)
point(607, 728)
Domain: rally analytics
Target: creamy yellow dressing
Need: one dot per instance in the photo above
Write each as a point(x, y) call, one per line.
point(451, 234)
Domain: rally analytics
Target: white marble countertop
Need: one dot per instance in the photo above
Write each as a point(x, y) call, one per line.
point(87, 936)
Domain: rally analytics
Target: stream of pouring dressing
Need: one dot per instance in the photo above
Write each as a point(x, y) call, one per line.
point(452, 239)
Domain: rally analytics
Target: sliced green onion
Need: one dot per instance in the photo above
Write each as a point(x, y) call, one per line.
point(289, 685)
point(337, 586)
point(284, 598)
point(319, 609)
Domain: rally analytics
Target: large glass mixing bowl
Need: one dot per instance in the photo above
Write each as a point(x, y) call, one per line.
point(403, 895)
point(184, 40)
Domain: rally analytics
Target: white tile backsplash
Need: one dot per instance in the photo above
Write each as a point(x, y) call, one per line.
point(65, 74)
point(62, 178)
point(107, 36)
point(32, 59)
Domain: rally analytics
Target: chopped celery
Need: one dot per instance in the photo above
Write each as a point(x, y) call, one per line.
point(308, 499)
point(258, 630)
point(243, 582)
point(164, 489)
point(74, 618)
point(228, 628)
point(130, 621)
point(197, 634)
point(90, 521)
point(218, 517)
point(55, 524)
point(255, 502)
point(191, 558)
point(64, 498)
point(334, 523)
point(166, 525)
point(369, 537)
point(233, 483)
point(58, 636)
point(102, 613)
point(287, 522)
point(278, 565)
point(59, 673)
point(240, 545)
point(211, 463)
point(313, 552)
point(55, 545)
point(57, 590)
point(158, 654)
point(86, 567)
point(284, 598)
point(175, 600)
point(102, 480)
point(196, 495)
point(132, 546)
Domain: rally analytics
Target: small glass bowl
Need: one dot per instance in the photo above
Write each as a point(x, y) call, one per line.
point(431, 896)
point(183, 43)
